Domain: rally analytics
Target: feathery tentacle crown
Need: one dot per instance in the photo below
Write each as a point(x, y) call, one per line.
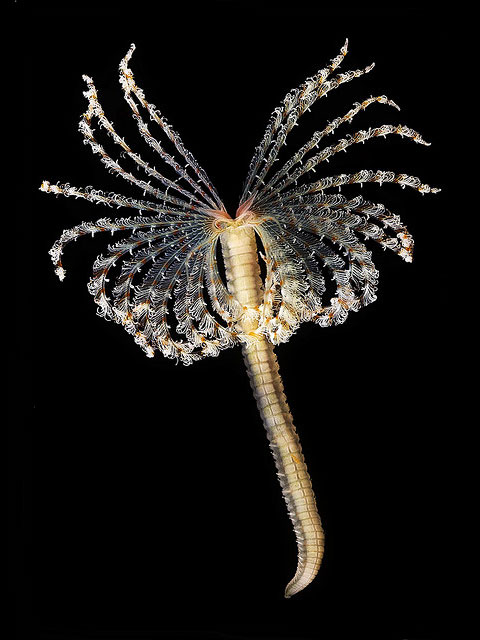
point(304, 231)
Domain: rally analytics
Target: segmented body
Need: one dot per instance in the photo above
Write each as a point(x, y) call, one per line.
point(244, 282)
point(168, 264)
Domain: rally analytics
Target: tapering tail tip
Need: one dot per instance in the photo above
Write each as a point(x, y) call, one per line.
point(309, 563)
point(288, 593)
point(298, 583)
point(292, 588)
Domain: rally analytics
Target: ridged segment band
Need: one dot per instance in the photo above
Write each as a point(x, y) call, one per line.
point(243, 276)
point(263, 371)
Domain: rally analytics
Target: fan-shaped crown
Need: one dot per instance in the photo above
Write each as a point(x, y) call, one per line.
point(165, 270)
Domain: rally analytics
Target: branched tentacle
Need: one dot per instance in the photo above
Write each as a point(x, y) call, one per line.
point(297, 195)
point(191, 307)
point(95, 109)
point(305, 95)
point(129, 86)
point(355, 286)
point(292, 277)
point(318, 136)
point(222, 300)
point(285, 117)
point(342, 145)
point(97, 196)
point(170, 217)
point(337, 210)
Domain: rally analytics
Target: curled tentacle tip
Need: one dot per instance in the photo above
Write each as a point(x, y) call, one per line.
point(60, 272)
point(129, 53)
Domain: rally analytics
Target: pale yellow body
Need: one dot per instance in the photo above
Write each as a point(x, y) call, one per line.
point(244, 282)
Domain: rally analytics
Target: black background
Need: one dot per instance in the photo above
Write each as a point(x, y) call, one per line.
point(147, 505)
